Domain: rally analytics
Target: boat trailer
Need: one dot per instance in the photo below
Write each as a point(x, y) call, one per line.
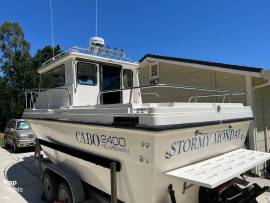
point(235, 190)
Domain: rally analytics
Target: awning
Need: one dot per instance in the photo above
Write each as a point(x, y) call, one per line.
point(218, 170)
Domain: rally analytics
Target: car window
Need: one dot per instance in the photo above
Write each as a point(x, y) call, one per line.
point(23, 125)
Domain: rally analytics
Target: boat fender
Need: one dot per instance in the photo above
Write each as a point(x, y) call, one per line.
point(171, 193)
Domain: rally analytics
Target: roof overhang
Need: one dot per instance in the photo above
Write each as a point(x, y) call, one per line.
point(236, 69)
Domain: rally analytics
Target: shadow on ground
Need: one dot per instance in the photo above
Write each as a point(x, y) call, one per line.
point(24, 177)
point(21, 150)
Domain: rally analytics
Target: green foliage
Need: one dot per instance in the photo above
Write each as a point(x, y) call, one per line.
point(1, 140)
point(44, 54)
point(12, 42)
point(18, 70)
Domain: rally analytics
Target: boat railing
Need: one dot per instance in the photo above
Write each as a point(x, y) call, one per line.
point(194, 98)
point(31, 95)
point(106, 52)
point(30, 102)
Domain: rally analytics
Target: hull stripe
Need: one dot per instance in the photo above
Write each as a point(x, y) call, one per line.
point(90, 157)
point(147, 127)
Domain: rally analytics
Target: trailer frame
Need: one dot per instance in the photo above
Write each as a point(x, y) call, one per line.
point(74, 183)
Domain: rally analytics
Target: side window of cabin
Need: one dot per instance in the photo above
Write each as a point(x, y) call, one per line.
point(127, 78)
point(53, 78)
point(86, 74)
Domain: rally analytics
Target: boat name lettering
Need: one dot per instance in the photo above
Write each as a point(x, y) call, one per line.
point(105, 141)
point(203, 140)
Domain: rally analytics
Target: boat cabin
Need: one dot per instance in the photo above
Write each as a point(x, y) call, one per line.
point(83, 77)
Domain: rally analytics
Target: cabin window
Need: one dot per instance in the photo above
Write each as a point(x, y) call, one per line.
point(127, 78)
point(86, 73)
point(53, 78)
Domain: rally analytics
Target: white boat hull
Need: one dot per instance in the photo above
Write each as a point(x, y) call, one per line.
point(144, 155)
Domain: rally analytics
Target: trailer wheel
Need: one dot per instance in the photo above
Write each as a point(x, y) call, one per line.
point(49, 187)
point(64, 193)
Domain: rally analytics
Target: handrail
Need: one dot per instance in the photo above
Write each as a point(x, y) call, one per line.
point(38, 90)
point(95, 51)
point(225, 92)
point(217, 93)
point(214, 95)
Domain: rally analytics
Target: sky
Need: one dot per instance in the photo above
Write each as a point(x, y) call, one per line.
point(226, 31)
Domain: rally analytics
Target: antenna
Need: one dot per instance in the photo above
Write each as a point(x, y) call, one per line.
point(96, 42)
point(96, 18)
point(52, 35)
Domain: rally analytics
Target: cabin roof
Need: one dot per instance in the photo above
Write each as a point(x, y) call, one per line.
point(75, 53)
point(207, 63)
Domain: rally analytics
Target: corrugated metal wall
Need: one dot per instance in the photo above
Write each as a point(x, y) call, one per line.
point(262, 112)
point(177, 75)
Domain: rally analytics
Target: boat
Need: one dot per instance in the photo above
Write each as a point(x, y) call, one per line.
point(90, 104)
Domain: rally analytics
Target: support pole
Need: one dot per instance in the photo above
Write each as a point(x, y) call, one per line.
point(265, 146)
point(265, 139)
point(113, 183)
point(38, 155)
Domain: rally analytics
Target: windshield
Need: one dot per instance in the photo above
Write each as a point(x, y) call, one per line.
point(23, 125)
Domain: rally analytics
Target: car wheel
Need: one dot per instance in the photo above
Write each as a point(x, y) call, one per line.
point(15, 147)
point(64, 194)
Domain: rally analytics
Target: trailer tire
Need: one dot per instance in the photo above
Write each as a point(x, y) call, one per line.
point(49, 187)
point(64, 193)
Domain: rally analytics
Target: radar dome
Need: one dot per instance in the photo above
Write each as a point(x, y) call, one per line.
point(97, 42)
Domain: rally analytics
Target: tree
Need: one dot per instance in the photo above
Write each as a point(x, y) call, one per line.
point(18, 70)
point(16, 59)
point(12, 42)
point(44, 54)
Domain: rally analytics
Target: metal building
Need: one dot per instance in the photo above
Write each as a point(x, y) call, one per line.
point(178, 71)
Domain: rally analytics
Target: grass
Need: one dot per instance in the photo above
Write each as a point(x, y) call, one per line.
point(1, 139)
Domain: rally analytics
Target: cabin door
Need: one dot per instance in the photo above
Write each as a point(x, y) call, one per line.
point(110, 80)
